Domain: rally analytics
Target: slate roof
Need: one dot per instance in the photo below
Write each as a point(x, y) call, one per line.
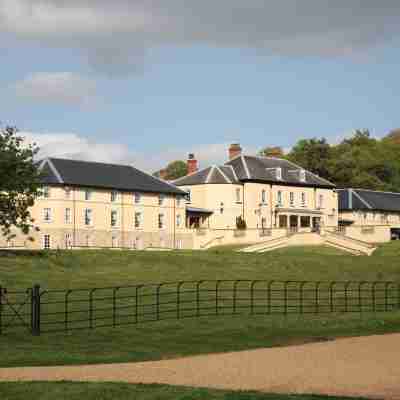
point(253, 168)
point(362, 199)
point(101, 175)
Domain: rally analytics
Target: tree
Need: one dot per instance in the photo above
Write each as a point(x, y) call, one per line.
point(313, 155)
point(272, 151)
point(174, 170)
point(19, 183)
point(393, 136)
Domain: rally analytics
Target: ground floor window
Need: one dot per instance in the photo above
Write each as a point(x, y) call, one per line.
point(305, 222)
point(283, 221)
point(179, 244)
point(114, 241)
point(46, 242)
point(68, 241)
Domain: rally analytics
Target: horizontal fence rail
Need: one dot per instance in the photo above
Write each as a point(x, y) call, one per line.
point(43, 311)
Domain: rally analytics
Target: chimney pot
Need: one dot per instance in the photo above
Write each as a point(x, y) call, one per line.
point(191, 164)
point(234, 150)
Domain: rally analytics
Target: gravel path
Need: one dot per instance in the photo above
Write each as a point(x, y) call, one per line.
point(362, 366)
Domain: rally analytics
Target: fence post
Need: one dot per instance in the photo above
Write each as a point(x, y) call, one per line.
point(35, 310)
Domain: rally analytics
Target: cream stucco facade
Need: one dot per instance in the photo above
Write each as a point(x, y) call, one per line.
point(77, 217)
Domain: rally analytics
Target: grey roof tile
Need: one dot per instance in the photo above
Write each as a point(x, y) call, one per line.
point(363, 199)
point(102, 175)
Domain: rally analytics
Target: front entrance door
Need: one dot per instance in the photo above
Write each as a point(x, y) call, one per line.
point(294, 223)
point(316, 224)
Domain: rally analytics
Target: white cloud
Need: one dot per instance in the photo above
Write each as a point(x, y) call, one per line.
point(61, 88)
point(73, 146)
point(115, 34)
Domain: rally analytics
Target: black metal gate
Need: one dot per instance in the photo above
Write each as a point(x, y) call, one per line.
point(16, 310)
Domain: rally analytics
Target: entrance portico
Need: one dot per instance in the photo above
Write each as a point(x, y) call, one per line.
point(298, 219)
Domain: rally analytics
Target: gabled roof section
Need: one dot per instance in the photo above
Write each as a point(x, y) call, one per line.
point(210, 175)
point(363, 199)
point(102, 175)
point(264, 169)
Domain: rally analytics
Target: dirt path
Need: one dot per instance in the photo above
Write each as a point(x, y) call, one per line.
point(363, 366)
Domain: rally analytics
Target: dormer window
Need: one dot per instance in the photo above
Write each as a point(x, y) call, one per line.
point(279, 173)
point(302, 175)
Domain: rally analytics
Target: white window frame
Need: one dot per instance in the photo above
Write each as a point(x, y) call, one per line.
point(303, 199)
point(161, 199)
point(46, 241)
point(45, 192)
point(189, 196)
point(114, 196)
point(161, 221)
point(88, 217)
point(280, 198)
point(47, 215)
point(178, 220)
point(263, 196)
point(68, 241)
point(68, 215)
point(279, 173)
point(238, 195)
point(291, 199)
point(321, 201)
point(67, 192)
point(138, 220)
point(88, 194)
point(302, 174)
point(114, 222)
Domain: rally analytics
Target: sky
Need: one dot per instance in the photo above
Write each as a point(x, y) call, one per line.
point(146, 82)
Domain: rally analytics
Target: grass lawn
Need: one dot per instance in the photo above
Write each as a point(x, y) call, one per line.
point(171, 339)
point(116, 391)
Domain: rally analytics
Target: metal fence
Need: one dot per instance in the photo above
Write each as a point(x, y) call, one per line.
point(43, 311)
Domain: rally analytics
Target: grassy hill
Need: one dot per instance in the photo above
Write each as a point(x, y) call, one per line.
point(53, 270)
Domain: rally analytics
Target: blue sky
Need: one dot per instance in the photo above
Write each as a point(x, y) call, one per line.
point(194, 95)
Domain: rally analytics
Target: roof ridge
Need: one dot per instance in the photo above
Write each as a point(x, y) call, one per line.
point(361, 199)
point(246, 168)
point(374, 191)
point(223, 174)
point(91, 162)
point(212, 167)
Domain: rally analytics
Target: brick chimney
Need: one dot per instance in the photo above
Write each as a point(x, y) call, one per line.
point(234, 150)
point(191, 164)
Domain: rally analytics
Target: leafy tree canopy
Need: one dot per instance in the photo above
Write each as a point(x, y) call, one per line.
point(174, 170)
point(272, 151)
point(19, 182)
point(360, 161)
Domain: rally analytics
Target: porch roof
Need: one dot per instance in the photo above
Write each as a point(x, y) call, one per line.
point(196, 210)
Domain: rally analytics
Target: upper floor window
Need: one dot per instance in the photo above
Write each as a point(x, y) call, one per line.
point(321, 201)
point(137, 198)
point(161, 199)
point(238, 197)
point(291, 199)
point(303, 199)
point(114, 196)
point(263, 222)
point(189, 196)
point(88, 217)
point(88, 194)
point(114, 218)
point(302, 175)
point(68, 217)
point(67, 192)
point(279, 173)
point(138, 219)
point(46, 192)
point(280, 198)
point(178, 220)
point(263, 196)
point(160, 221)
point(47, 214)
